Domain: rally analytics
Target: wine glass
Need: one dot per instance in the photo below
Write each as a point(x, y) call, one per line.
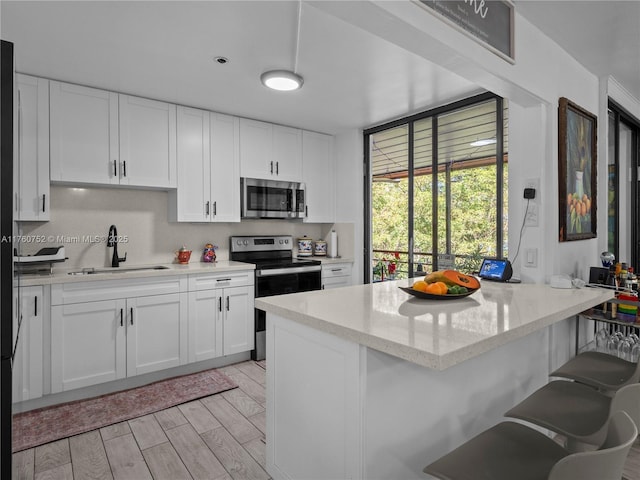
point(635, 353)
point(601, 340)
point(612, 344)
point(624, 349)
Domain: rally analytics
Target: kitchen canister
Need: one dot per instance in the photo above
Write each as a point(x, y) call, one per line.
point(305, 247)
point(320, 248)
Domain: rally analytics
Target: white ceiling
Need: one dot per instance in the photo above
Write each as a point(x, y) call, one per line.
point(604, 36)
point(353, 79)
point(165, 50)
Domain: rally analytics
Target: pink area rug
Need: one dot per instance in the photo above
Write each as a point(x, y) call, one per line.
point(45, 425)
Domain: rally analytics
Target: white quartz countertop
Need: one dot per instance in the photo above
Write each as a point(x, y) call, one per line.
point(433, 333)
point(134, 271)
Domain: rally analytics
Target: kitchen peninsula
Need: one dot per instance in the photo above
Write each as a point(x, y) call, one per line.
point(369, 382)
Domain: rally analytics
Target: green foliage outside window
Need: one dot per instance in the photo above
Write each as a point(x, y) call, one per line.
point(473, 219)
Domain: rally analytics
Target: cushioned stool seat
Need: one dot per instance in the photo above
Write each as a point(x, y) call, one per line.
point(600, 370)
point(511, 451)
point(576, 410)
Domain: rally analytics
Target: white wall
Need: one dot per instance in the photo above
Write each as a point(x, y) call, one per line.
point(141, 215)
point(349, 183)
point(542, 73)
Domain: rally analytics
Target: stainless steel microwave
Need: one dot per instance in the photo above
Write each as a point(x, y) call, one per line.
point(271, 199)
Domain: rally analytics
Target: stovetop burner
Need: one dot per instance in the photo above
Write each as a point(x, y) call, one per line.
point(267, 252)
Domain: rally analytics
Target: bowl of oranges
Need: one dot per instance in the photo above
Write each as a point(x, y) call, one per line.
point(443, 285)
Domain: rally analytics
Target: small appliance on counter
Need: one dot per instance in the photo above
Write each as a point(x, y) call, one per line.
point(496, 269)
point(41, 262)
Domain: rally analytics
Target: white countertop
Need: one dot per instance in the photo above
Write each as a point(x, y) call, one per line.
point(433, 333)
point(63, 276)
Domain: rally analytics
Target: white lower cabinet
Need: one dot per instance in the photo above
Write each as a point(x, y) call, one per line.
point(336, 275)
point(27, 366)
point(88, 344)
point(156, 333)
point(237, 320)
point(117, 332)
point(205, 325)
point(221, 315)
point(103, 331)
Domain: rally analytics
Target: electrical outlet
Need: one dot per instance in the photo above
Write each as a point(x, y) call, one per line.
point(532, 215)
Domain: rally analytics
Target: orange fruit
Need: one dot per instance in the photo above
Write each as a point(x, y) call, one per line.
point(420, 285)
point(443, 287)
point(436, 288)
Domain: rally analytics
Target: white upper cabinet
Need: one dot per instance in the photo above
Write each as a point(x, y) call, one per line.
point(100, 137)
point(270, 151)
point(84, 134)
point(318, 169)
point(225, 168)
point(190, 201)
point(31, 174)
point(208, 168)
point(256, 144)
point(287, 153)
point(147, 142)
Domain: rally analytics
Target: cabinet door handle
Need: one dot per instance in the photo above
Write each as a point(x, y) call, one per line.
point(131, 315)
point(277, 168)
point(306, 210)
point(124, 168)
point(115, 168)
point(227, 303)
point(35, 309)
point(207, 208)
point(44, 201)
point(223, 280)
point(219, 304)
point(215, 208)
point(121, 317)
point(272, 167)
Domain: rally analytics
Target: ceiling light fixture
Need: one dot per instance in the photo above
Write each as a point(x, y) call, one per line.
point(483, 142)
point(285, 80)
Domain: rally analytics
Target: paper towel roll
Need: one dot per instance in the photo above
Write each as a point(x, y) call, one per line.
point(333, 244)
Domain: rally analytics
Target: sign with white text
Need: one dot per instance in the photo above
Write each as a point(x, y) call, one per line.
point(488, 21)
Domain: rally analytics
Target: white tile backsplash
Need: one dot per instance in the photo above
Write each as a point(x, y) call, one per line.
point(80, 214)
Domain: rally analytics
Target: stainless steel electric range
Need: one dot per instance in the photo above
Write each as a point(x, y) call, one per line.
point(277, 272)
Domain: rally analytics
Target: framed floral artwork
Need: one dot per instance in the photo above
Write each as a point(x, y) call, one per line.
point(577, 171)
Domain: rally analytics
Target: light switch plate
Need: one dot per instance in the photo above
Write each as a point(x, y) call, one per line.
point(531, 257)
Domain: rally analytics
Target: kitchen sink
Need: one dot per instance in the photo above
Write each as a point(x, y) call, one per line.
point(93, 271)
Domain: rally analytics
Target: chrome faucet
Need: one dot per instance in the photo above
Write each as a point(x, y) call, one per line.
point(112, 241)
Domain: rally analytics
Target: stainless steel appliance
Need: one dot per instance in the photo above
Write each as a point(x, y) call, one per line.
point(277, 272)
point(271, 199)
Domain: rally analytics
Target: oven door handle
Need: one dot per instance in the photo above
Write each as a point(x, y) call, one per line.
point(283, 271)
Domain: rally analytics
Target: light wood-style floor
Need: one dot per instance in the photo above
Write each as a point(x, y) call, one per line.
point(216, 437)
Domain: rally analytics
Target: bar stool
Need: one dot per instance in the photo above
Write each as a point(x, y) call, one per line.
point(600, 370)
point(577, 411)
point(511, 451)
